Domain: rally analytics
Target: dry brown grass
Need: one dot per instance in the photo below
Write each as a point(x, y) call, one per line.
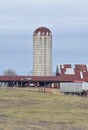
point(31, 109)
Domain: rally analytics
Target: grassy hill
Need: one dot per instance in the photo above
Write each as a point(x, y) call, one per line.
point(31, 109)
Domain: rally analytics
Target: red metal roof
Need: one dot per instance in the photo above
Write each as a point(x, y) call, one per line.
point(42, 31)
point(31, 78)
point(76, 72)
point(66, 72)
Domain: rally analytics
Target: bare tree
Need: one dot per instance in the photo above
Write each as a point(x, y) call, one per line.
point(9, 72)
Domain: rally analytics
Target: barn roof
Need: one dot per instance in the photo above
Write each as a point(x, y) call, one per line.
point(64, 72)
point(72, 72)
point(29, 78)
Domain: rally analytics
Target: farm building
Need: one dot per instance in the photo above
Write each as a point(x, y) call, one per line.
point(73, 78)
point(20, 81)
point(64, 73)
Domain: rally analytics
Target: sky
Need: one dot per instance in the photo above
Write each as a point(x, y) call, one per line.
point(67, 20)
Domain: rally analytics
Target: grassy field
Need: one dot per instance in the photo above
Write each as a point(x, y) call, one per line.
point(31, 109)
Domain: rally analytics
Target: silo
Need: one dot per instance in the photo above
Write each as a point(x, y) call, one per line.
point(42, 52)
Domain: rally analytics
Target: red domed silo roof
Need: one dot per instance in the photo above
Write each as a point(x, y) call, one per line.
point(42, 31)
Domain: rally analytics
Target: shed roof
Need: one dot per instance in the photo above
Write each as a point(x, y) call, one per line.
point(64, 72)
point(70, 72)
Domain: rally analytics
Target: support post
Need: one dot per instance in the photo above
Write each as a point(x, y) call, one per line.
point(44, 86)
point(21, 82)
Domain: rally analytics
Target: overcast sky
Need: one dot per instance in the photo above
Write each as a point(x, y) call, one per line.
point(67, 20)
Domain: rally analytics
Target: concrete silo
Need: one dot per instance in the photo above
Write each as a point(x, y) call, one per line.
point(42, 52)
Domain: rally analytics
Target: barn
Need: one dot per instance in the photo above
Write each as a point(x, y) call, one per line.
point(73, 78)
point(64, 73)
